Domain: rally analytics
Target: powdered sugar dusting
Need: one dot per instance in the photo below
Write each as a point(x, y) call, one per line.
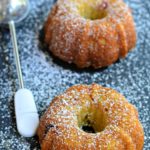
point(78, 39)
point(48, 78)
point(68, 111)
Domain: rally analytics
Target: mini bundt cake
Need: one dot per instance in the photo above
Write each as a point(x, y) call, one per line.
point(90, 117)
point(90, 32)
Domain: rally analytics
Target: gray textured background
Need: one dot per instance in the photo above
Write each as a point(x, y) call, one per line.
point(47, 76)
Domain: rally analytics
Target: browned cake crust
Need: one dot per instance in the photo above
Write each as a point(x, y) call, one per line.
point(94, 38)
point(114, 119)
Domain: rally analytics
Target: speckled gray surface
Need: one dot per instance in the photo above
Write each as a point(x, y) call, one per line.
point(47, 76)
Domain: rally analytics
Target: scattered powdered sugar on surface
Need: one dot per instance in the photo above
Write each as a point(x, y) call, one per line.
point(48, 78)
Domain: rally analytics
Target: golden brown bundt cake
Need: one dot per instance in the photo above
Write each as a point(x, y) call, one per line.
point(90, 117)
point(90, 32)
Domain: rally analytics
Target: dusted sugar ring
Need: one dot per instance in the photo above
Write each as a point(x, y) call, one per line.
point(90, 32)
point(90, 117)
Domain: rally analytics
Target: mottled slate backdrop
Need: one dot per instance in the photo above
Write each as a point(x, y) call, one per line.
point(47, 76)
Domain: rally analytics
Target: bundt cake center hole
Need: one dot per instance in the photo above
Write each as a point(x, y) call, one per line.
point(88, 129)
point(95, 9)
point(92, 119)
